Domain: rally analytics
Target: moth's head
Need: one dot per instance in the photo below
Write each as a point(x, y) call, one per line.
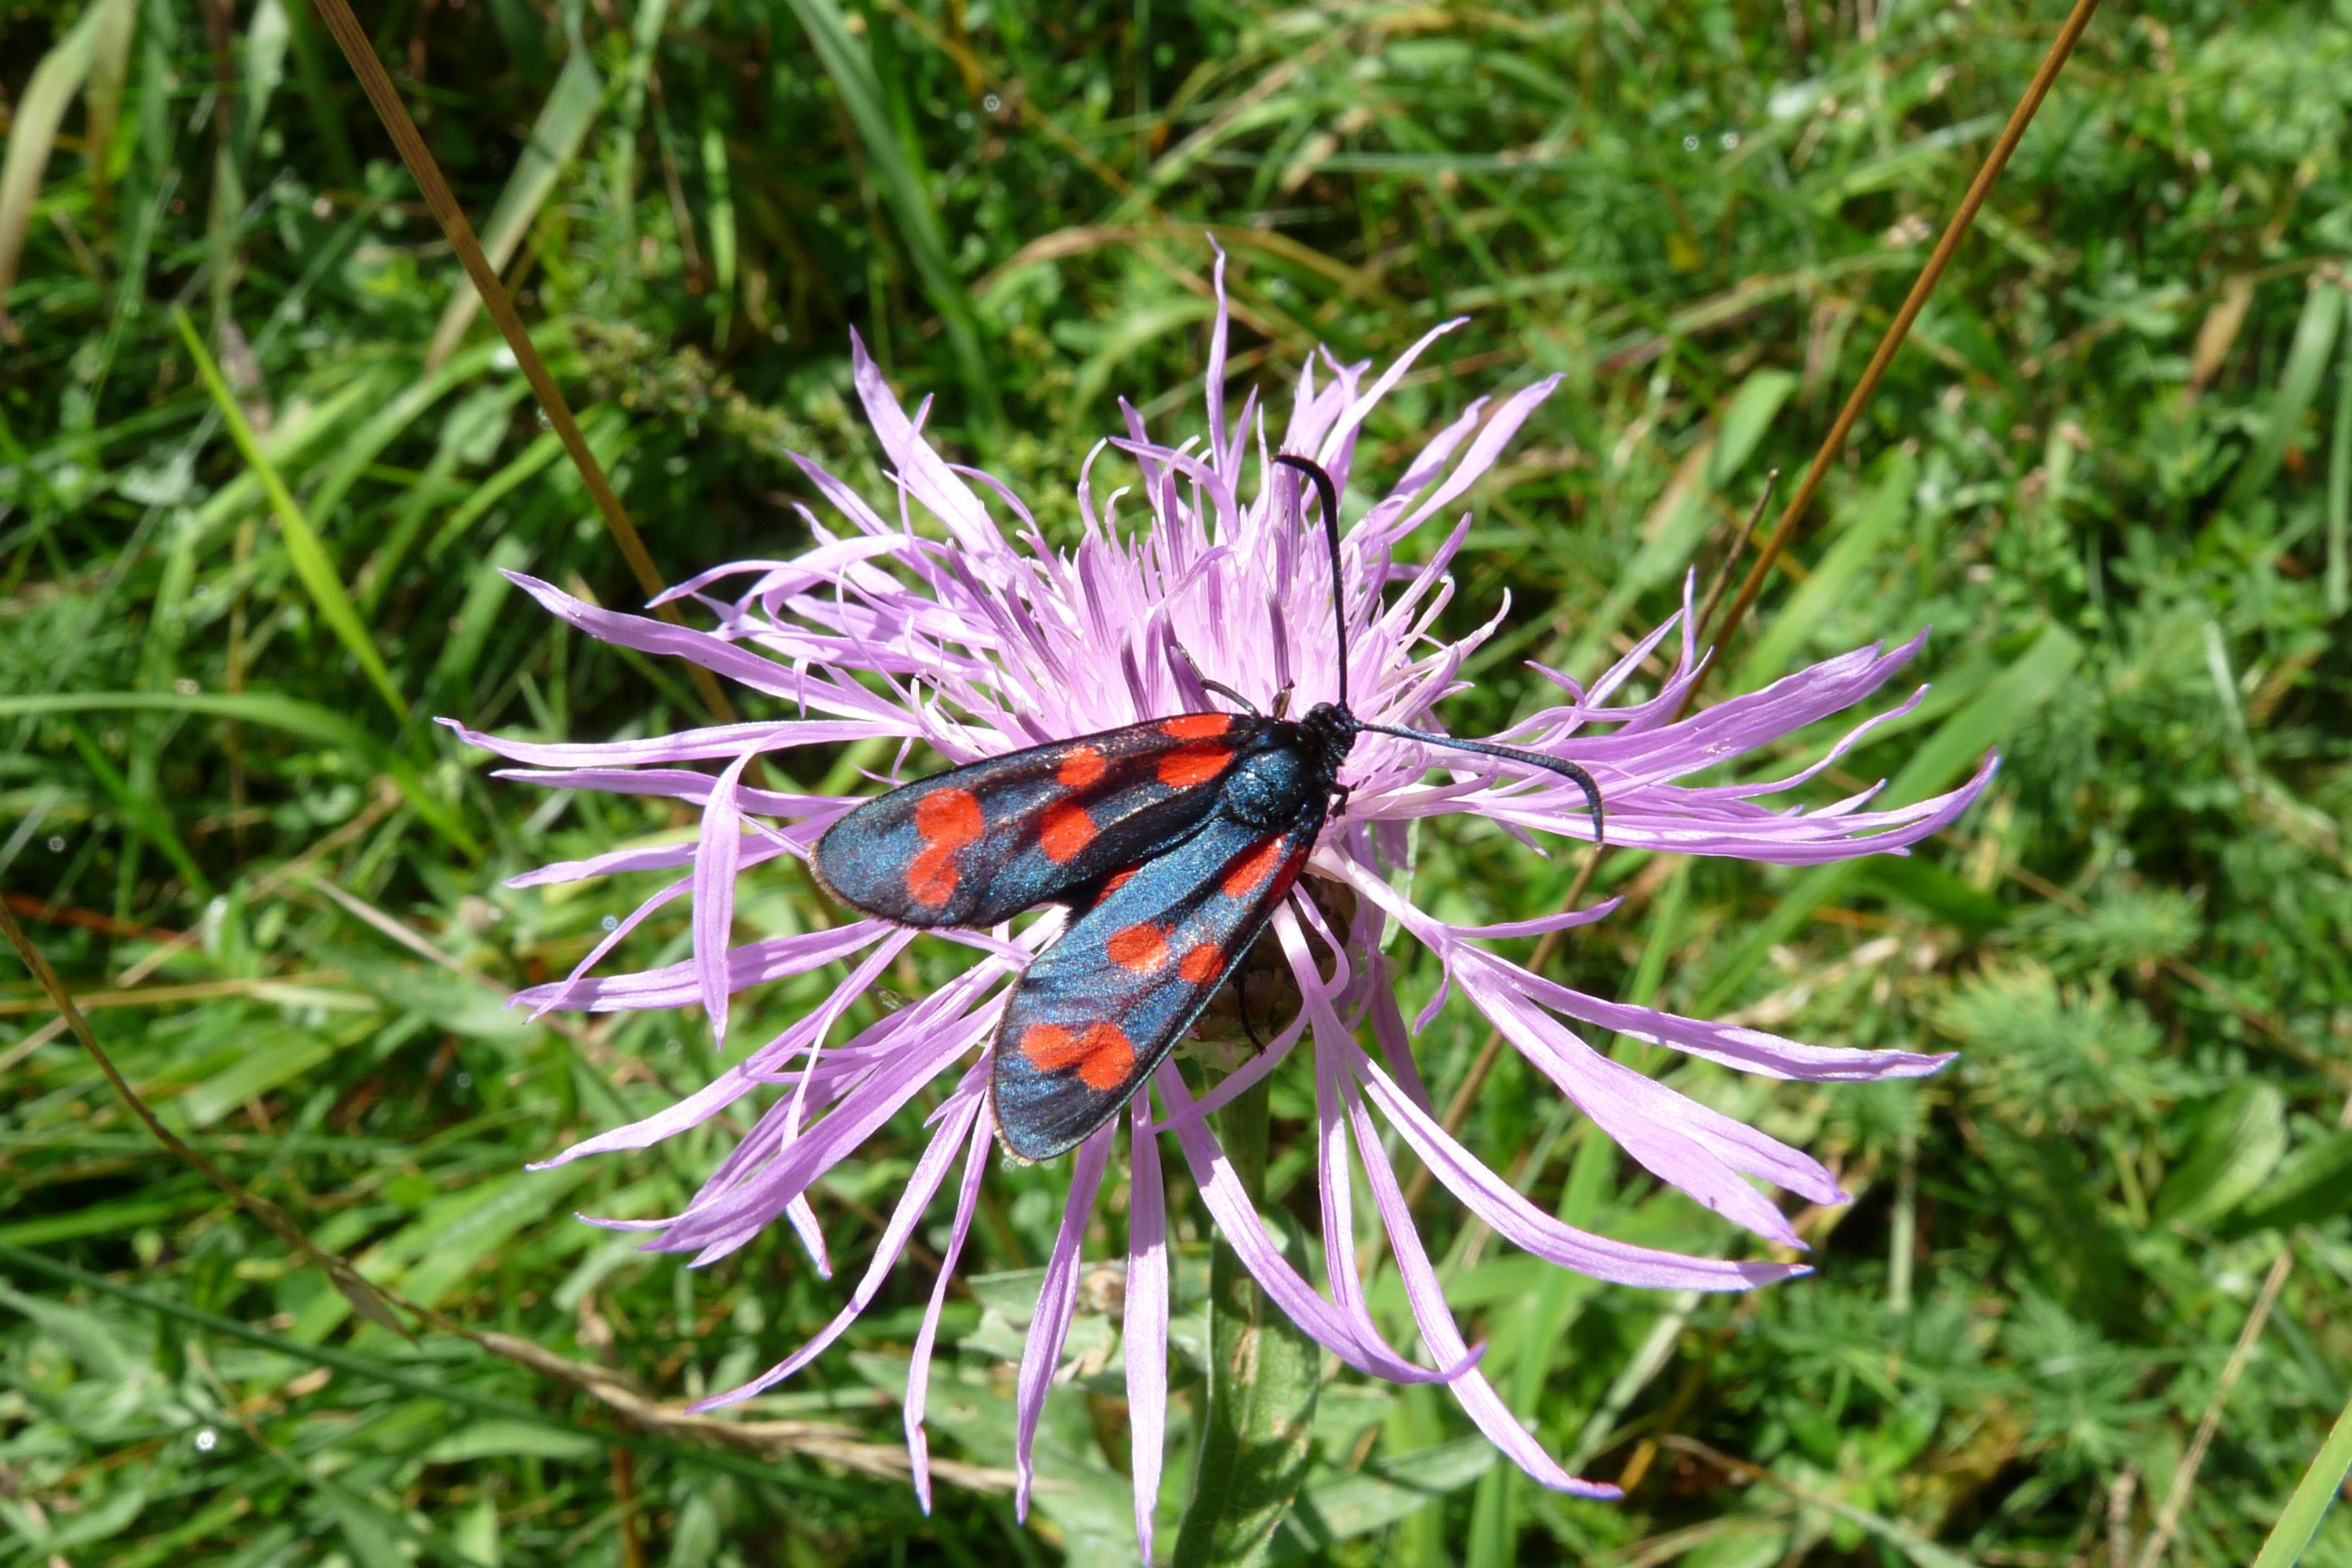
point(1332, 726)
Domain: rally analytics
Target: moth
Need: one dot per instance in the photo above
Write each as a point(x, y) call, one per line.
point(1172, 842)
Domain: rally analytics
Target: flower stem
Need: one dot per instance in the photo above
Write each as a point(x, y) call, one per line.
point(1262, 1379)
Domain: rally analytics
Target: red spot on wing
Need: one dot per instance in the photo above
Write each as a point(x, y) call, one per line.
point(1201, 964)
point(1197, 726)
point(948, 818)
point(1250, 874)
point(1114, 882)
point(1140, 948)
point(932, 877)
point(1081, 766)
point(945, 820)
point(1190, 765)
point(1065, 829)
point(1103, 1055)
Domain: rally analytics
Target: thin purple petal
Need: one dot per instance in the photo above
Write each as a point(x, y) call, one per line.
point(1057, 1299)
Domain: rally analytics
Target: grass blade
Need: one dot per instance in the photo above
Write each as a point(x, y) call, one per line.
point(34, 130)
point(140, 813)
point(1875, 516)
point(1752, 412)
point(636, 73)
point(289, 714)
point(303, 546)
point(110, 67)
point(2307, 362)
point(2340, 495)
point(424, 1377)
point(563, 121)
point(721, 218)
point(2289, 1538)
point(850, 65)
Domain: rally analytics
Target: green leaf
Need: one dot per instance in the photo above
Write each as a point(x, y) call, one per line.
point(1753, 410)
point(1378, 1496)
point(1078, 1493)
point(476, 1531)
point(694, 1539)
point(2238, 1142)
point(2312, 1186)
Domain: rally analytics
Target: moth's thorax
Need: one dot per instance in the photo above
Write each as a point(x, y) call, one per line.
point(1268, 786)
point(1291, 768)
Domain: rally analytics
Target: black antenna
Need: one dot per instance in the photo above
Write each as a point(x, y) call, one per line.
point(1566, 769)
point(1330, 494)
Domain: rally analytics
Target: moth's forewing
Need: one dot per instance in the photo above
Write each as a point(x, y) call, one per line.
point(977, 845)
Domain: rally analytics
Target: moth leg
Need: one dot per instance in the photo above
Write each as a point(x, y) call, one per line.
point(1241, 1005)
point(1281, 701)
point(1219, 687)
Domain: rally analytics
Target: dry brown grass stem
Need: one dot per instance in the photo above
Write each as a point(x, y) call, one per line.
point(1955, 230)
point(1466, 1094)
point(377, 84)
point(827, 1442)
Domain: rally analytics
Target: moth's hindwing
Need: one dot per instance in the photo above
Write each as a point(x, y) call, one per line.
point(980, 844)
point(1096, 1011)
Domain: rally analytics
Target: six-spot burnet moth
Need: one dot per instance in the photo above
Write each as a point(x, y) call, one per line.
point(1172, 842)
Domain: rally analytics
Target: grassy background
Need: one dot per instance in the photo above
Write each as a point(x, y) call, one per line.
point(2111, 468)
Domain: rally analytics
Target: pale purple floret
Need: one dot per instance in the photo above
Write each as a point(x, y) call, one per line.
point(987, 641)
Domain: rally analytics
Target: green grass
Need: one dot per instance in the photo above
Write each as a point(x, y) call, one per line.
point(241, 567)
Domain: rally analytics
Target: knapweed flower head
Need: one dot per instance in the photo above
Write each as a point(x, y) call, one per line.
point(941, 620)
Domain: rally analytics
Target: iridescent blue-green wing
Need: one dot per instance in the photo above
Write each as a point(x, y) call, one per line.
point(1096, 1012)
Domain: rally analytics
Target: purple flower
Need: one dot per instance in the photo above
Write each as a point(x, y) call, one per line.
point(988, 641)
